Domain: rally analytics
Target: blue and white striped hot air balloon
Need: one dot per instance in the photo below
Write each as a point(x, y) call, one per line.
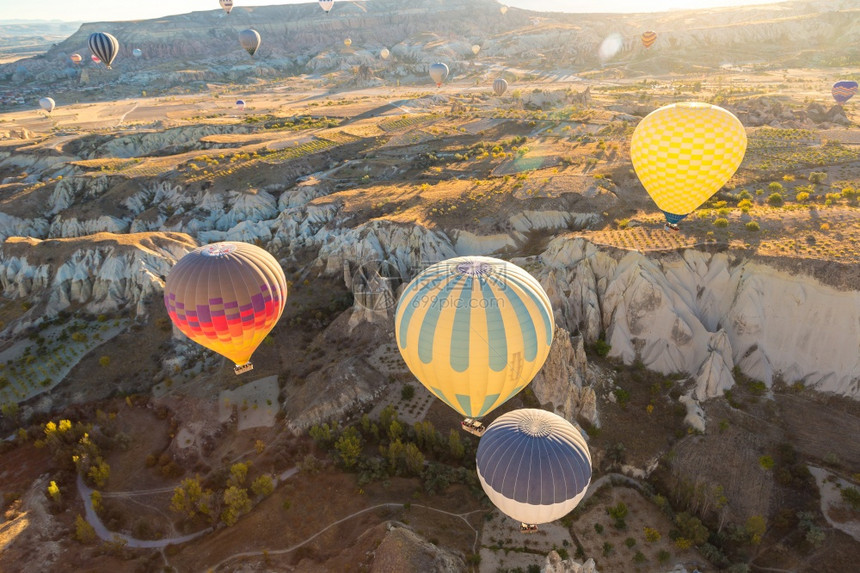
point(533, 465)
point(474, 331)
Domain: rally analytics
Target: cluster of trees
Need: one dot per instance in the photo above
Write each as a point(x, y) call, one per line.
point(386, 447)
point(228, 501)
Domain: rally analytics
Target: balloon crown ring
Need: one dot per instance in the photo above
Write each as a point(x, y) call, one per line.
point(474, 268)
point(534, 427)
point(219, 250)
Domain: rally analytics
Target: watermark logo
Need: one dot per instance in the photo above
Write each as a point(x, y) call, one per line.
point(375, 285)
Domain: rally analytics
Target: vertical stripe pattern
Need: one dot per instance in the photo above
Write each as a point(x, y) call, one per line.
point(104, 46)
point(474, 331)
point(534, 465)
point(226, 297)
point(249, 40)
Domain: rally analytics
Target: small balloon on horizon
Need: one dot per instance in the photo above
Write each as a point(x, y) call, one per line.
point(610, 46)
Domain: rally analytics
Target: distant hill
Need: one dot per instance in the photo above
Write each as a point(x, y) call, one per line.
point(193, 49)
point(24, 38)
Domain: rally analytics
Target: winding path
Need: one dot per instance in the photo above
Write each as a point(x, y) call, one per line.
point(462, 516)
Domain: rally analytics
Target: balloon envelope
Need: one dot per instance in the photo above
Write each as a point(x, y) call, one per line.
point(136, 53)
point(475, 49)
point(384, 53)
point(250, 40)
point(500, 86)
point(503, 9)
point(533, 465)
point(648, 38)
point(76, 58)
point(104, 46)
point(684, 152)
point(843, 90)
point(240, 104)
point(347, 42)
point(47, 104)
point(227, 5)
point(474, 331)
point(95, 59)
point(226, 297)
point(438, 72)
point(326, 5)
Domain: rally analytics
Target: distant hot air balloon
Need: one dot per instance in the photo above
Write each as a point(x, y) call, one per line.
point(104, 46)
point(474, 331)
point(136, 52)
point(438, 72)
point(500, 86)
point(226, 297)
point(843, 91)
point(240, 104)
point(76, 58)
point(95, 59)
point(503, 10)
point(684, 152)
point(475, 49)
point(347, 42)
point(47, 104)
point(648, 38)
point(384, 53)
point(326, 5)
point(227, 5)
point(250, 40)
point(533, 465)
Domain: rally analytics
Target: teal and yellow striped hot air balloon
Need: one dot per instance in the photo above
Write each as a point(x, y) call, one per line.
point(474, 331)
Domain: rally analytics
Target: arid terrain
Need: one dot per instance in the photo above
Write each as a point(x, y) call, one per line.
point(715, 370)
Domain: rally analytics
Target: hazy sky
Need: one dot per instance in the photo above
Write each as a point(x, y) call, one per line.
point(99, 10)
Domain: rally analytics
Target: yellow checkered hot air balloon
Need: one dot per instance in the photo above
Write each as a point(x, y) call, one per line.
point(474, 331)
point(684, 152)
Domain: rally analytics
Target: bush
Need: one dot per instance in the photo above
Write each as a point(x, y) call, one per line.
point(721, 223)
point(802, 197)
point(766, 462)
point(753, 226)
point(104, 361)
point(775, 187)
point(629, 542)
point(663, 556)
point(817, 177)
point(775, 200)
point(407, 392)
point(825, 226)
point(601, 347)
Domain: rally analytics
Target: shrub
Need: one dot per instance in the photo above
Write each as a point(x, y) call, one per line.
point(407, 392)
point(744, 205)
point(722, 222)
point(817, 177)
point(652, 535)
point(753, 226)
point(601, 347)
point(775, 187)
point(766, 462)
point(825, 226)
point(802, 197)
point(663, 556)
point(629, 542)
point(775, 200)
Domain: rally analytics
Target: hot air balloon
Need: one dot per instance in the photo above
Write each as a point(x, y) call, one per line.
point(95, 59)
point(475, 49)
point(326, 5)
point(76, 58)
point(648, 38)
point(347, 42)
point(136, 52)
point(250, 40)
point(47, 104)
point(227, 5)
point(240, 103)
point(474, 331)
point(384, 53)
point(684, 152)
point(438, 72)
point(500, 86)
point(843, 91)
point(226, 297)
point(104, 46)
point(503, 10)
point(534, 466)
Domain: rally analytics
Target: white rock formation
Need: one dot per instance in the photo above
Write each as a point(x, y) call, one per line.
point(555, 564)
point(699, 314)
point(564, 381)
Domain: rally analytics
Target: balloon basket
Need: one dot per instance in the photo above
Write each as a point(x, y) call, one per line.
point(242, 368)
point(474, 427)
point(528, 528)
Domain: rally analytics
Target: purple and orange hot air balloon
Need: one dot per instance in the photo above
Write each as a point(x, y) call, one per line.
point(227, 297)
point(843, 90)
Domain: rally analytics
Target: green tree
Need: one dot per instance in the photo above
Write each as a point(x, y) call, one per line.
point(755, 528)
point(414, 459)
point(651, 535)
point(395, 430)
point(455, 445)
point(189, 498)
point(96, 500)
point(236, 504)
point(263, 485)
point(691, 528)
point(104, 361)
point(407, 392)
point(238, 474)
point(348, 447)
point(84, 532)
point(851, 496)
point(54, 491)
point(99, 472)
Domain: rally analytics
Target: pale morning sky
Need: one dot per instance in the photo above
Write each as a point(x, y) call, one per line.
point(100, 10)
